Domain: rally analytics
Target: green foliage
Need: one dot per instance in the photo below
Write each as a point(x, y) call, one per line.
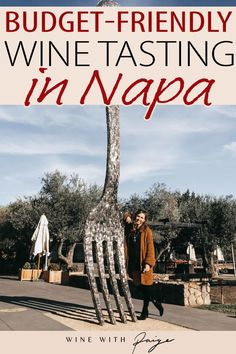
point(26, 265)
point(216, 216)
point(6, 230)
point(132, 204)
point(75, 268)
point(218, 219)
point(66, 201)
point(228, 309)
point(54, 266)
point(160, 203)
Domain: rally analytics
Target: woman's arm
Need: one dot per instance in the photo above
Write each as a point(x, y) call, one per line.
point(150, 259)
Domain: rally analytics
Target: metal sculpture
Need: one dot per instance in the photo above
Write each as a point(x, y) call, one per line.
point(104, 228)
point(107, 3)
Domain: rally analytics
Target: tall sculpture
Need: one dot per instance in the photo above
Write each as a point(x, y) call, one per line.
point(104, 229)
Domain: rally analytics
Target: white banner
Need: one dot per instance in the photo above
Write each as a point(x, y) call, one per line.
point(116, 342)
point(148, 56)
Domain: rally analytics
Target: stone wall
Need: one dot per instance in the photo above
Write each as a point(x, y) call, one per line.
point(197, 294)
point(183, 293)
point(168, 291)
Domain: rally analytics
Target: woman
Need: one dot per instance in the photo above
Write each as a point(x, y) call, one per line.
point(141, 258)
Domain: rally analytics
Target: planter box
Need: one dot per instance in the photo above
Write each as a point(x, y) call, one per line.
point(29, 274)
point(56, 277)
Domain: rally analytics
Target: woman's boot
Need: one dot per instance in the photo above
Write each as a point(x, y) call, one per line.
point(156, 302)
point(159, 307)
point(146, 290)
point(144, 313)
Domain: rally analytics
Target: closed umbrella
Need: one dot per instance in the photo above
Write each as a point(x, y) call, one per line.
point(219, 254)
point(40, 239)
point(191, 252)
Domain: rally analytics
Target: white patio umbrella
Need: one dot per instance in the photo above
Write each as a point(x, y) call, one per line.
point(40, 239)
point(191, 252)
point(219, 254)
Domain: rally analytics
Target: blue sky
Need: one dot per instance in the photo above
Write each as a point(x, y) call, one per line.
point(183, 147)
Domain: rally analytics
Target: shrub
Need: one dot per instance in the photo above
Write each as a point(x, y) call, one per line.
point(27, 265)
point(54, 266)
point(74, 268)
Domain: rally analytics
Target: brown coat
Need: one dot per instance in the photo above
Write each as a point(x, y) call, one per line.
point(147, 256)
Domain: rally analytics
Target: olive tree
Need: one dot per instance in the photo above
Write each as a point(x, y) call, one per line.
point(66, 202)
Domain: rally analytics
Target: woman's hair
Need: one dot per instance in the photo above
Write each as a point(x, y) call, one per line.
point(126, 215)
point(143, 211)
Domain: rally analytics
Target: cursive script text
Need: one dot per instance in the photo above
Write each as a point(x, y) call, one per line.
point(141, 338)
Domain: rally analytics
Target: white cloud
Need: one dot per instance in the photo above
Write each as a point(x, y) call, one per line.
point(178, 136)
point(89, 172)
point(47, 145)
point(73, 140)
point(53, 116)
point(172, 121)
point(224, 111)
point(231, 147)
point(152, 165)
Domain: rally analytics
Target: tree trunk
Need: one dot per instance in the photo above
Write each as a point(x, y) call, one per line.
point(68, 259)
point(208, 262)
point(212, 268)
point(205, 261)
point(163, 250)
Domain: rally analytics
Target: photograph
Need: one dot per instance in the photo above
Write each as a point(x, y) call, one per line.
point(117, 167)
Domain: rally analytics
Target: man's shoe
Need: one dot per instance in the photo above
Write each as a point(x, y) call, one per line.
point(159, 307)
